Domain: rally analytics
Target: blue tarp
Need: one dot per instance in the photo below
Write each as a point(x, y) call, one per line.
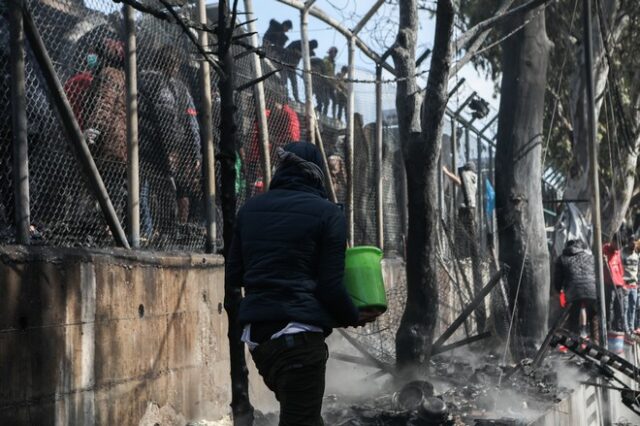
point(489, 198)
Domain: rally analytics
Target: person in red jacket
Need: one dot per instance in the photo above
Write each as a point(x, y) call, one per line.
point(614, 280)
point(284, 127)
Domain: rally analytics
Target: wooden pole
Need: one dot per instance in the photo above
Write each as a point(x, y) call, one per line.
point(19, 123)
point(454, 169)
point(595, 188)
point(206, 136)
point(72, 129)
point(259, 98)
point(379, 145)
point(593, 169)
point(133, 152)
point(327, 173)
point(306, 66)
point(350, 141)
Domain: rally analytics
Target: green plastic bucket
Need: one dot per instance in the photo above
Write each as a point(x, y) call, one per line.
point(363, 278)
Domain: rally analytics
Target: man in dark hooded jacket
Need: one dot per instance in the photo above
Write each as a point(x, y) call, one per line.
point(575, 274)
point(288, 252)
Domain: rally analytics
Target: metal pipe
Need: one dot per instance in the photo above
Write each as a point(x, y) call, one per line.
point(259, 98)
point(454, 168)
point(477, 300)
point(360, 25)
point(332, 191)
point(206, 136)
point(480, 195)
point(133, 152)
point(593, 170)
point(465, 122)
point(486, 127)
point(467, 145)
point(350, 141)
point(72, 129)
point(461, 343)
point(464, 104)
point(306, 66)
point(492, 179)
point(456, 87)
point(19, 123)
point(379, 146)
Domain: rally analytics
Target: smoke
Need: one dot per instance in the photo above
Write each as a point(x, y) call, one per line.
point(349, 381)
point(569, 376)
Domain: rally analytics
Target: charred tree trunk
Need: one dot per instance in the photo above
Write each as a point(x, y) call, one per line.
point(240, 404)
point(421, 149)
point(521, 225)
point(577, 186)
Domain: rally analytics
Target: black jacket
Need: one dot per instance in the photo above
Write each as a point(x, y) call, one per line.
point(169, 130)
point(575, 273)
point(288, 252)
point(275, 34)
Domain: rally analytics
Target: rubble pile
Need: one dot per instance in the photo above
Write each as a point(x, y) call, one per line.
point(459, 393)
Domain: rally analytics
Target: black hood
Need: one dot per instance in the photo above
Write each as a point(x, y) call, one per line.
point(302, 171)
point(572, 250)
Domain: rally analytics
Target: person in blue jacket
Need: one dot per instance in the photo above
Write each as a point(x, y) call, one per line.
point(288, 253)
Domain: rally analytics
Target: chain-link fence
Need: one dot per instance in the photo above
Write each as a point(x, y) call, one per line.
point(85, 40)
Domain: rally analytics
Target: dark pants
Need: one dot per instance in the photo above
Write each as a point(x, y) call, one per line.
point(293, 367)
point(592, 321)
point(616, 304)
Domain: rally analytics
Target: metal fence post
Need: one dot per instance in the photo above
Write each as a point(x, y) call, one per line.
point(492, 180)
point(260, 103)
point(379, 188)
point(306, 65)
point(350, 141)
point(454, 168)
point(327, 172)
point(19, 123)
point(206, 135)
point(480, 194)
point(467, 144)
point(133, 164)
point(72, 129)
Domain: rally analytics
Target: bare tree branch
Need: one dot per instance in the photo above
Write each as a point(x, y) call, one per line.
point(257, 80)
point(498, 18)
point(171, 18)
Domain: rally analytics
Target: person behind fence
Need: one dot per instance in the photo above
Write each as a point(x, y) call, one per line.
point(616, 292)
point(630, 261)
point(288, 252)
point(338, 177)
point(467, 179)
point(283, 127)
point(275, 37)
point(77, 87)
point(104, 117)
point(574, 273)
point(322, 87)
point(340, 93)
point(169, 145)
point(292, 57)
point(105, 125)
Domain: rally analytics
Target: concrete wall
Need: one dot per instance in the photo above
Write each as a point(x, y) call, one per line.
point(111, 337)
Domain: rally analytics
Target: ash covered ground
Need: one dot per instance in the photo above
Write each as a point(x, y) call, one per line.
point(467, 389)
